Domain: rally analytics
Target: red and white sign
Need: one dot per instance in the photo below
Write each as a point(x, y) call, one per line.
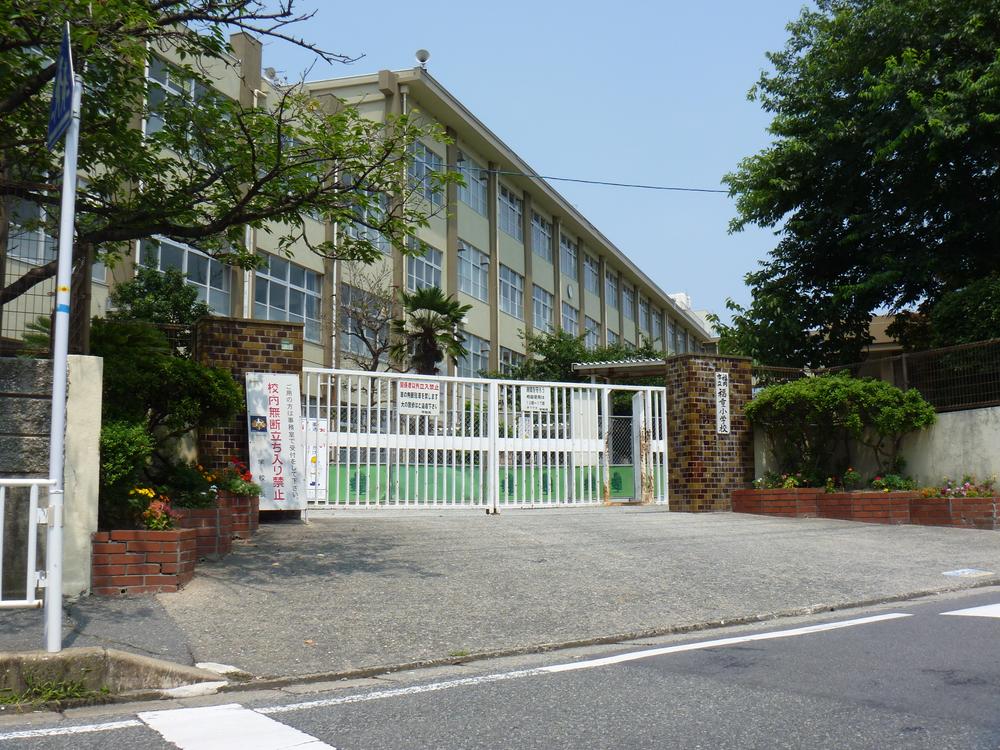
point(276, 445)
point(419, 397)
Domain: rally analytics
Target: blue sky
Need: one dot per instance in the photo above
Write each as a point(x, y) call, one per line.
point(639, 92)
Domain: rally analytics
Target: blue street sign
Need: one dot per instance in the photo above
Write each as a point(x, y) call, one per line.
point(61, 110)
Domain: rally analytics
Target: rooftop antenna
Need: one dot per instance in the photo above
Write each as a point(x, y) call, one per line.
point(422, 57)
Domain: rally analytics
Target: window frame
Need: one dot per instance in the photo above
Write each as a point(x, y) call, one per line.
point(312, 326)
point(539, 305)
point(510, 214)
point(541, 228)
point(477, 263)
point(431, 259)
point(569, 256)
point(574, 316)
point(511, 294)
point(591, 274)
point(475, 193)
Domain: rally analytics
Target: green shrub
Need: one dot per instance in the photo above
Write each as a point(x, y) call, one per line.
point(811, 422)
point(126, 448)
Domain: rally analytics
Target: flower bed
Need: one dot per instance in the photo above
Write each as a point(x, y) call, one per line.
point(871, 507)
point(214, 527)
point(142, 561)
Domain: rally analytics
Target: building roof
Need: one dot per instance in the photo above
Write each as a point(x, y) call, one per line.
point(441, 104)
point(632, 367)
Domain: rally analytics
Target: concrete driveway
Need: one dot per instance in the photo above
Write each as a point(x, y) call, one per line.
point(358, 590)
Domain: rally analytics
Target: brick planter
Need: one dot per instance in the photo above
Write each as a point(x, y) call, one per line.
point(142, 562)
point(214, 528)
point(872, 507)
point(246, 513)
point(800, 502)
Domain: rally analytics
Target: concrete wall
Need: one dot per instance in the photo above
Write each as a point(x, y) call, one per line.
point(961, 442)
point(25, 392)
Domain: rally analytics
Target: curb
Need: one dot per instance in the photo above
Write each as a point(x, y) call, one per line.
point(374, 671)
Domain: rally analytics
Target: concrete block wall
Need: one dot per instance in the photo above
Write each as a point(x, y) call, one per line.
point(705, 467)
point(243, 346)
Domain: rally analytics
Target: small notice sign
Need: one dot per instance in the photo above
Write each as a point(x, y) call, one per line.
point(536, 398)
point(418, 397)
point(722, 403)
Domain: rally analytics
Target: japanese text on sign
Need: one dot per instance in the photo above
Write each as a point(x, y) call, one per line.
point(722, 403)
point(275, 439)
point(418, 397)
point(536, 398)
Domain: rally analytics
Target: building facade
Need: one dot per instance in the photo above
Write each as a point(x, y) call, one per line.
point(505, 243)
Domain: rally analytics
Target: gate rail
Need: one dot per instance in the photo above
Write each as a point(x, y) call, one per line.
point(37, 516)
point(481, 443)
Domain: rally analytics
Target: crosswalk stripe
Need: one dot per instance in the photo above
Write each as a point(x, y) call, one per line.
point(989, 610)
point(227, 727)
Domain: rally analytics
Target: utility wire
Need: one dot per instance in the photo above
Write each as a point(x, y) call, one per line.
point(605, 182)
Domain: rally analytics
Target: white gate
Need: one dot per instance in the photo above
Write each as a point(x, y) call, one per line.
point(402, 440)
point(25, 578)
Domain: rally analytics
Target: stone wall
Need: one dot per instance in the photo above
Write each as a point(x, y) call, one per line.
point(26, 397)
point(706, 467)
point(243, 346)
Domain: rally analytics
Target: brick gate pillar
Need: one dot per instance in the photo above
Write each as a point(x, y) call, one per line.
point(242, 346)
point(705, 467)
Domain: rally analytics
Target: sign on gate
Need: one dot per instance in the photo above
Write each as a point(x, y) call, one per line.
point(722, 403)
point(317, 457)
point(274, 431)
point(536, 398)
point(418, 397)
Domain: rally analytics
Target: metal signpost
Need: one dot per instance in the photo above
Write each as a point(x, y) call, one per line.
point(64, 119)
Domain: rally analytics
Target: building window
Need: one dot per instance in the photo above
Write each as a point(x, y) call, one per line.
point(473, 271)
point(543, 303)
point(423, 271)
point(511, 292)
point(477, 358)
point(628, 302)
point(164, 82)
point(286, 291)
point(643, 313)
point(657, 319)
point(208, 276)
point(671, 336)
point(509, 360)
point(612, 338)
point(541, 237)
point(26, 236)
point(424, 171)
point(591, 330)
point(511, 209)
point(611, 290)
point(567, 256)
point(473, 193)
point(369, 216)
point(591, 274)
point(570, 319)
point(356, 308)
point(684, 341)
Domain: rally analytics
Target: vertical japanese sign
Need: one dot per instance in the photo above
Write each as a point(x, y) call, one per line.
point(317, 457)
point(275, 435)
point(722, 403)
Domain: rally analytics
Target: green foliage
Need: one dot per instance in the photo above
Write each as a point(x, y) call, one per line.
point(157, 297)
point(215, 165)
point(235, 477)
point(429, 330)
point(188, 485)
point(37, 340)
point(126, 448)
point(551, 356)
point(881, 181)
point(893, 483)
point(969, 314)
point(968, 486)
point(38, 692)
point(774, 481)
point(810, 422)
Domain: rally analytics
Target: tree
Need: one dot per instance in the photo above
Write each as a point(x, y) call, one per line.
point(882, 181)
point(215, 165)
point(551, 356)
point(157, 298)
point(365, 313)
point(429, 330)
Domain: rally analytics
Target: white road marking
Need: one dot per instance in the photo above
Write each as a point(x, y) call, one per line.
point(633, 656)
point(227, 727)
point(240, 734)
point(989, 610)
point(30, 734)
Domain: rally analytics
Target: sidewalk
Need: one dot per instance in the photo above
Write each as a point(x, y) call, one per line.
point(359, 590)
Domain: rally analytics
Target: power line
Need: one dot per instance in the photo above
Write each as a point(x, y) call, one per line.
point(607, 183)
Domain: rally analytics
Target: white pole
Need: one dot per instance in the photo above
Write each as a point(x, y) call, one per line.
point(54, 543)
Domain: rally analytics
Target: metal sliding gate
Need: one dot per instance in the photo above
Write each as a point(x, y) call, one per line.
point(22, 511)
point(399, 440)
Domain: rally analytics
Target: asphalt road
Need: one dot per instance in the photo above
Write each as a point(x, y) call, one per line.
point(897, 676)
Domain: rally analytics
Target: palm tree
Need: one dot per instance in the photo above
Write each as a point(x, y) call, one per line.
point(429, 329)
